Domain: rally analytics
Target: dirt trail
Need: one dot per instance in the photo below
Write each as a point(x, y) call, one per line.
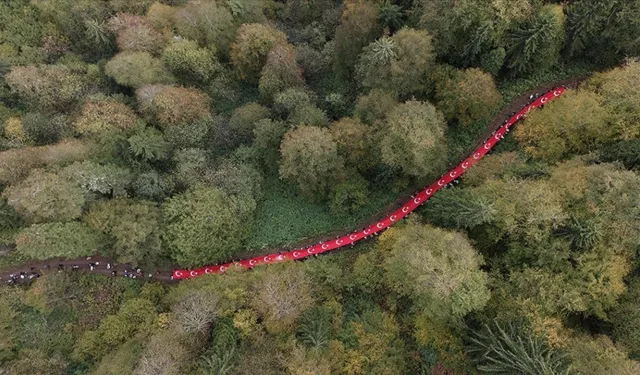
point(105, 266)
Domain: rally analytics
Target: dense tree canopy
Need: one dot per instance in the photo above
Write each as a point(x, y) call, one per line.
point(183, 133)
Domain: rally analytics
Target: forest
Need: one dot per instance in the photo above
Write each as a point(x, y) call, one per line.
point(183, 133)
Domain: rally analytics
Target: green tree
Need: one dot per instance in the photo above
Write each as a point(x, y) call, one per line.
point(625, 318)
point(136, 69)
point(149, 144)
point(251, 47)
point(626, 152)
point(401, 64)
point(511, 348)
point(437, 268)
point(375, 106)
point(349, 196)
point(98, 180)
point(44, 128)
point(190, 166)
point(243, 120)
point(374, 345)
point(354, 143)
point(471, 96)
point(174, 106)
point(620, 93)
point(288, 100)
point(535, 43)
point(237, 179)
point(599, 355)
point(50, 240)
point(310, 160)
point(44, 197)
point(134, 227)
point(280, 72)
point(98, 117)
point(281, 297)
point(267, 136)
point(135, 316)
point(573, 124)
point(186, 60)
point(69, 17)
point(413, 139)
point(603, 30)
point(308, 114)
point(16, 164)
point(208, 23)
point(153, 185)
point(9, 218)
point(459, 209)
point(359, 26)
point(467, 32)
point(202, 227)
point(47, 87)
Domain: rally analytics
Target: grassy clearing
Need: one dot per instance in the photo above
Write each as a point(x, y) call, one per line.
point(284, 218)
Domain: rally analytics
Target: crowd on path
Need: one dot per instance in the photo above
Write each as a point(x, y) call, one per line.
point(104, 266)
point(536, 100)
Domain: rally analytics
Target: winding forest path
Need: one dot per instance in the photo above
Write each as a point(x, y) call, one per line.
point(498, 128)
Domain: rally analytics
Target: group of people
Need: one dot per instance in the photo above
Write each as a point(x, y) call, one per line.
point(134, 273)
point(21, 277)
